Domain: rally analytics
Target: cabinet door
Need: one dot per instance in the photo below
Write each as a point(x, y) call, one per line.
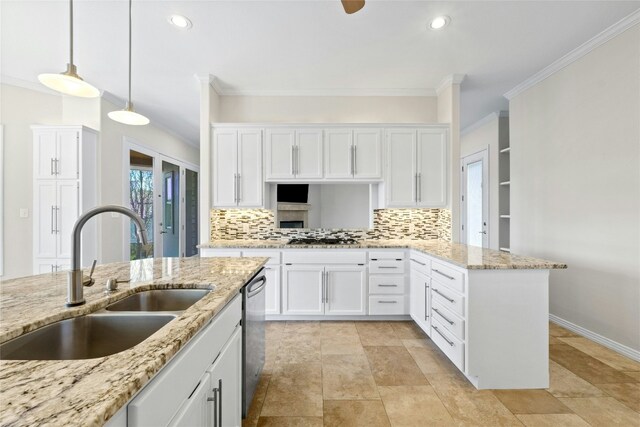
point(302, 290)
point(250, 182)
point(226, 382)
point(338, 154)
point(419, 293)
point(45, 215)
point(272, 295)
point(346, 290)
point(197, 410)
point(225, 161)
point(367, 145)
point(67, 154)
point(66, 216)
point(44, 146)
point(42, 266)
point(432, 168)
point(279, 154)
point(308, 161)
point(401, 171)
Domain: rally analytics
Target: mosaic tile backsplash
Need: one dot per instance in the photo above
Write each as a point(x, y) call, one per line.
point(252, 224)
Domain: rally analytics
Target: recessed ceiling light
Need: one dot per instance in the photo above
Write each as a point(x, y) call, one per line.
point(439, 22)
point(180, 21)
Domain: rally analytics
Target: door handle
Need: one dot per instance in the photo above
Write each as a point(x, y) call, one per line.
point(51, 167)
point(53, 231)
point(482, 232)
point(220, 402)
point(235, 188)
point(293, 168)
point(355, 159)
point(238, 187)
point(419, 187)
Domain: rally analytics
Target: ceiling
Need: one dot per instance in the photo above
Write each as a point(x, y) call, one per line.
point(298, 45)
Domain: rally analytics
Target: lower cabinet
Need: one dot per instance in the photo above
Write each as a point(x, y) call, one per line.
point(339, 290)
point(420, 299)
point(226, 384)
point(272, 293)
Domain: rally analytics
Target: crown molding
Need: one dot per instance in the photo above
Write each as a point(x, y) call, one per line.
point(483, 121)
point(211, 80)
point(451, 79)
point(613, 31)
point(27, 84)
point(324, 92)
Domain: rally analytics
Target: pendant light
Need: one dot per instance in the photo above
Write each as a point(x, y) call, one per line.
point(69, 82)
point(127, 115)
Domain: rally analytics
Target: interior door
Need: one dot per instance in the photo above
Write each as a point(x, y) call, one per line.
point(302, 288)
point(250, 181)
point(346, 290)
point(432, 168)
point(67, 154)
point(170, 210)
point(279, 153)
point(401, 160)
point(338, 154)
point(308, 156)
point(367, 145)
point(475, 200)
point(190, 212)
point(225, 152)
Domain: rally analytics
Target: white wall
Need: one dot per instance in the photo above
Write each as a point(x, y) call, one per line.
point(575, 192)
point(19, 109)
point(327, 109)
point(487, 136)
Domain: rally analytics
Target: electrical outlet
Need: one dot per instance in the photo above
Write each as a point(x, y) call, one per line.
point(24, 212)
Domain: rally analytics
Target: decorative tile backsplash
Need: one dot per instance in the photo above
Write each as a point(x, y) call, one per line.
point(250, 224)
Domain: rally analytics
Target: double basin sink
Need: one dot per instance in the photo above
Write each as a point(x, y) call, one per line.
point(120, 326)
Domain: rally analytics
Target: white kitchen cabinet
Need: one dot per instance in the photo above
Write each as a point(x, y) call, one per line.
point(237, 163)
point(226, 382)
point(303, 289)
point(65, 185)
point(345, 290)
point(293, 154)
point(417, 167)
point(420, 304)
point(198, 409)
point(272, 293)
point(367, 152)
point(353, 154)
point(338, 154)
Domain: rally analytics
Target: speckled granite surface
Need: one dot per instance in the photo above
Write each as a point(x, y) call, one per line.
point(88, 392)
point(469, 257)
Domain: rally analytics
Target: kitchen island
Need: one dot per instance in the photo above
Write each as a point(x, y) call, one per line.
point(89, 392)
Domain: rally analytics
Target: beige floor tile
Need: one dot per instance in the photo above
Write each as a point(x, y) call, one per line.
point(377, 334)
point(355, 413)
point(409, 406)
point(274, 330)
point(559, 331)
point(626, 393)
point(341, 347)
point(450, 382)
point(338, 329)
point(635, 375)
point(431, 361)
point(531, 402)
point(256, 404)
point(290, 422)
point(347, 377)
point(585, 366)
point(294, 390)
point(479, 408)
point(603, 354)
point(421, 343)
point(394, 366)
point(603, 411)
point(302, 327)
point(408, 330)
point(552, 420)
point(564, 383)
point(299, 353)
point(554, 340)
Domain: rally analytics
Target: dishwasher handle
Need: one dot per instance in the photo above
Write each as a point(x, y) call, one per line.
point(260, 283)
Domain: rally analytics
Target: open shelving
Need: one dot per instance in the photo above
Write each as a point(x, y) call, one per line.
point(504, 178)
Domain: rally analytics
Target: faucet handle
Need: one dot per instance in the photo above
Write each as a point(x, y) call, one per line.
point(90, 281)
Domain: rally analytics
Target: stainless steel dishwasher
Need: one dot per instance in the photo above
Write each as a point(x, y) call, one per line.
point(253, 337)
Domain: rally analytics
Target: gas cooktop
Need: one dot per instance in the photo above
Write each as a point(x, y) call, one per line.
point(322, 241)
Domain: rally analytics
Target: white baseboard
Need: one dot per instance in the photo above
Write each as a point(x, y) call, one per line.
point(396, 318)
point(609, 343)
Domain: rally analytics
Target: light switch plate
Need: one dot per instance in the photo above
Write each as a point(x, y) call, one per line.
point(24, 212)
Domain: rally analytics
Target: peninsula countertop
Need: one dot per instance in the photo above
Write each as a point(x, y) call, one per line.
point(89, 392)
point(465, 256)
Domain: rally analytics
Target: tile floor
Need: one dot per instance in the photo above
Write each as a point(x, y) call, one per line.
point(390, 374)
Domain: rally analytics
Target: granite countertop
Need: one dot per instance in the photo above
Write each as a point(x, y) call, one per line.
point(88, 392)
point(469, 257)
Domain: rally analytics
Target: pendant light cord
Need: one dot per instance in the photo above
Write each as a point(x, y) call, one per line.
point(130, 1)
point(71, 32)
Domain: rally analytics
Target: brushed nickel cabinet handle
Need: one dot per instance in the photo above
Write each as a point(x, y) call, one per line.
point(451, 300)
point(442, 274)
point(451, 322)
point(451, 343)
point(388, 302)
point(388, 286)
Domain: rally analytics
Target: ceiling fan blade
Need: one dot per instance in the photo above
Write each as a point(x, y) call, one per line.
point(352, 6)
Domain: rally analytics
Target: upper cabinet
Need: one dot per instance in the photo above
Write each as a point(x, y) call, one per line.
point(417, 167)
point(293, 154)
point(237, 165)
point(56, 153)
point(353, 153)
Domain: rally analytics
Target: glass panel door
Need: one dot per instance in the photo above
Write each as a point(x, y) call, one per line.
point(141, 201)
point(170, 220)
point(191, 213)
point(474, 204)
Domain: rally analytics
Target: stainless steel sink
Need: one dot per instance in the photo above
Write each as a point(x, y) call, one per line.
point(84, 337)
point(160, 300)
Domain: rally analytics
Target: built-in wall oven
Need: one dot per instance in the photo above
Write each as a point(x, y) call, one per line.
point(253, 337)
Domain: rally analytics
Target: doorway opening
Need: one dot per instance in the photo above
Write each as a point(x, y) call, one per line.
point(141, 202)
point(475, 199)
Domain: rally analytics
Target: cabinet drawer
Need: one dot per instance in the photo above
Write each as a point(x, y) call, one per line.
point(447, 298)
point(448, 276)
point(421, 263)
point(392, 304)
point(274, 256)
point(450, 345)
point(324, 257)
point(449, 320)
point(380, 255)
point(387, 284)
point(386, 267)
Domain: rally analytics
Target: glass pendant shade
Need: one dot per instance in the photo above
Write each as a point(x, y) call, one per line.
point(128, 117)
